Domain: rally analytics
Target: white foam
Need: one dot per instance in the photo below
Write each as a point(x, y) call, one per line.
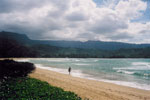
point(96, 60)
point(53, 59)
point(134, 68)
point(124, 83)
point(125, 72)
point(52, 69)
point(75, 73)
point(130, 84)
point(22, 60)
point(147, 75)
point(81, 64)
point(78, 73)
point(140, 63)
point(76, 60)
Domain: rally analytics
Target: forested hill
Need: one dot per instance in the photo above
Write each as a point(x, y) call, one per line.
point(19, 45)
point(95, 45)
point(21, 38)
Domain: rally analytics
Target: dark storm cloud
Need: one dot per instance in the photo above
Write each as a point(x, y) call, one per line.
point(25, 29)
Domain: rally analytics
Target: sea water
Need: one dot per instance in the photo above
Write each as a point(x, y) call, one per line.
point(128, 72)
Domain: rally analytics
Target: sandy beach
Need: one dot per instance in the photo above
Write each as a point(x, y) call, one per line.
point(93, 90)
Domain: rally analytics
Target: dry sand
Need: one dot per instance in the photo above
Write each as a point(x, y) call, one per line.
point(94, 90)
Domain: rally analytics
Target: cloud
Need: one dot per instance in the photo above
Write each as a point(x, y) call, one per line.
point(120, 36)
point(130, 9)
point(76, 16)
point(75, 19)
point(8, 6)
point(108, 23)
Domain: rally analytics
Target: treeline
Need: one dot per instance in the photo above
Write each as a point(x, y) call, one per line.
point(131, 53)
point(11, 69)
point(12, 48)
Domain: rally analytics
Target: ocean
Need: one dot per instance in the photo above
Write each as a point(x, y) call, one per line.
point(127, 72)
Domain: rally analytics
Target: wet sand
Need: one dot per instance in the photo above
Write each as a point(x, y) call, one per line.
point(94, 90)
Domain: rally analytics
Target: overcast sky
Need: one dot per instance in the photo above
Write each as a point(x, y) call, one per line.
point(105, 20)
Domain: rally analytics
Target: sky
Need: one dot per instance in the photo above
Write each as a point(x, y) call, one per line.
point(78, 20)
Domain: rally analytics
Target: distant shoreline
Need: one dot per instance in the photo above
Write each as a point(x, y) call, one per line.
point(64, 57)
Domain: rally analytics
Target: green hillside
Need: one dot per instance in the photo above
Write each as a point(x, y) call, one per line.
point(19, 45)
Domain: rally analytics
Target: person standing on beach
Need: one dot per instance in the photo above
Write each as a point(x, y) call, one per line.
point(69, 70)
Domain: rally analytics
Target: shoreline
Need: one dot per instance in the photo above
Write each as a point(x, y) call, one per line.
point(92, 89)
point(89, 77)
point(80, 74)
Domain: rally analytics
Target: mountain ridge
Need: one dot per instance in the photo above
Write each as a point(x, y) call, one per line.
point(74, 44)
point(19, 45)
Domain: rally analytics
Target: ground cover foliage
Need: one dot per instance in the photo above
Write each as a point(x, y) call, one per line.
point(33, 89)
point(16, 85)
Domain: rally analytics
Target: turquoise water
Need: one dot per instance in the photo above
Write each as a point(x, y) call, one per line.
point(129, 72)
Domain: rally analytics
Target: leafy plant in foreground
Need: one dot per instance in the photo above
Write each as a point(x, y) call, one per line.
point(33, 89)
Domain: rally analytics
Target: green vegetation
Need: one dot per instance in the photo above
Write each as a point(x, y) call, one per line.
point(18, 45)
point(12, 69)
point(11, 48)
point(15, 85)
point(33, 89)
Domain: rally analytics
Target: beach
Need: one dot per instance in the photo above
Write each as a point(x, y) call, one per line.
point(91, 89)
